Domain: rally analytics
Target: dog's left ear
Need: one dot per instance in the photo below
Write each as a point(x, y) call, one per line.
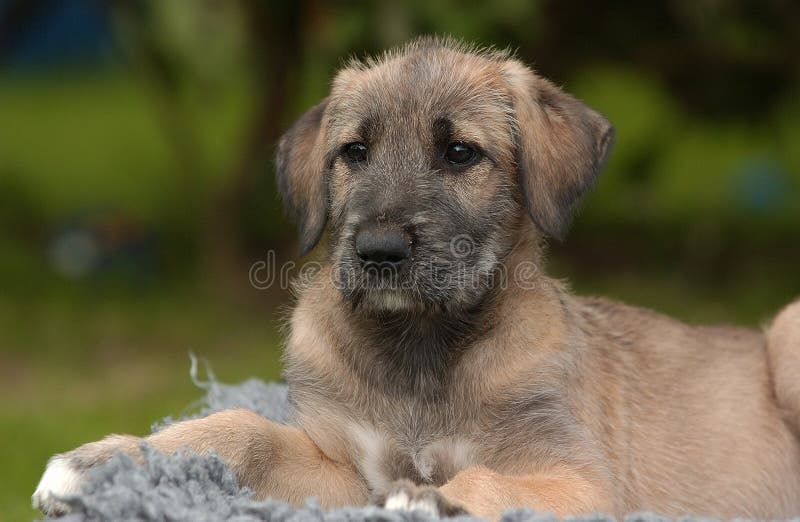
point(300, 166)
point(561, 147)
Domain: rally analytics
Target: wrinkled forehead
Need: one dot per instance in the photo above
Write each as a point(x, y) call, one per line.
point(412, 94)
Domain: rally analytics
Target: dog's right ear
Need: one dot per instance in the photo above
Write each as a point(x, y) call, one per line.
point(300, 166)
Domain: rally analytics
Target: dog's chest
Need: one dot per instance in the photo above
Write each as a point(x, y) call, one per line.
point(383, 457)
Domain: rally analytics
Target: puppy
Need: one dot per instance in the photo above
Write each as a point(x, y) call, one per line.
point(431, 363)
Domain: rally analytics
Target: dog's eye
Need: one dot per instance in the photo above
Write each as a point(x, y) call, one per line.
point(460, 154)
point(356, 152)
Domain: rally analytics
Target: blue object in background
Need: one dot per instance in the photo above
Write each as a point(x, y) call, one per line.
point(761, 185)
point(74, 32)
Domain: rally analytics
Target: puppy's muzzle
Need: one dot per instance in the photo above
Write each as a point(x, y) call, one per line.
point(383, 248)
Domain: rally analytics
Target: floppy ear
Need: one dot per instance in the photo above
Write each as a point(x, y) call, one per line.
point(561, 147)
point(300, 165)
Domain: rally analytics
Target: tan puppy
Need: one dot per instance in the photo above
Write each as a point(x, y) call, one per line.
point(433, 365)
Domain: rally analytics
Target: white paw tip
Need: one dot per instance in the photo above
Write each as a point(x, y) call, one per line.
point(398, 501)
point(402, 502)
point(59, 480)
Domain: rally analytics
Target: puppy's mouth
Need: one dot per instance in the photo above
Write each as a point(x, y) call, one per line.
point(386, 301)
point(383, 275)
point(379, 284)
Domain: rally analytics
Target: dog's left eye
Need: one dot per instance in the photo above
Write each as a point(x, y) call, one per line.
point(356, 152)
point(460, 154)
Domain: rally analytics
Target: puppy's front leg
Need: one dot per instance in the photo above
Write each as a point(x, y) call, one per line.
point(273, 460)
point(486, 493)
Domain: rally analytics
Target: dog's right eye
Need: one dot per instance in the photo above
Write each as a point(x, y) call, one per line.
point(356, 152)
point(460, 154)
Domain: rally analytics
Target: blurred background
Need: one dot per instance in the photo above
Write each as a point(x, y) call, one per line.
point(136, 180)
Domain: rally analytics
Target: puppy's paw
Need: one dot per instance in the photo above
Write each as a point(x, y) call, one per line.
point(66, 473)
point(406, 496)
point(60, 479)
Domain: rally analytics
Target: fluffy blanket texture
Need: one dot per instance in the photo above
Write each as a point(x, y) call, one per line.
point(186, 486)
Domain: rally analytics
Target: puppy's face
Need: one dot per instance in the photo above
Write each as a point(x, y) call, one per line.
point(420, 184)
point(424, 164)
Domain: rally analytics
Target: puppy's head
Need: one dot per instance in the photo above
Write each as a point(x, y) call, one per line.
point(424, 164)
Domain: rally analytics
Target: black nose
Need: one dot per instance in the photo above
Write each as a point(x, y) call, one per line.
point(382, 246)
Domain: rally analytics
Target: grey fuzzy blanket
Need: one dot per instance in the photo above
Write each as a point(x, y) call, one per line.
point(188, 487)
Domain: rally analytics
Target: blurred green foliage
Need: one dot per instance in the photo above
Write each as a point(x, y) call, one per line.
point(160, 149)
